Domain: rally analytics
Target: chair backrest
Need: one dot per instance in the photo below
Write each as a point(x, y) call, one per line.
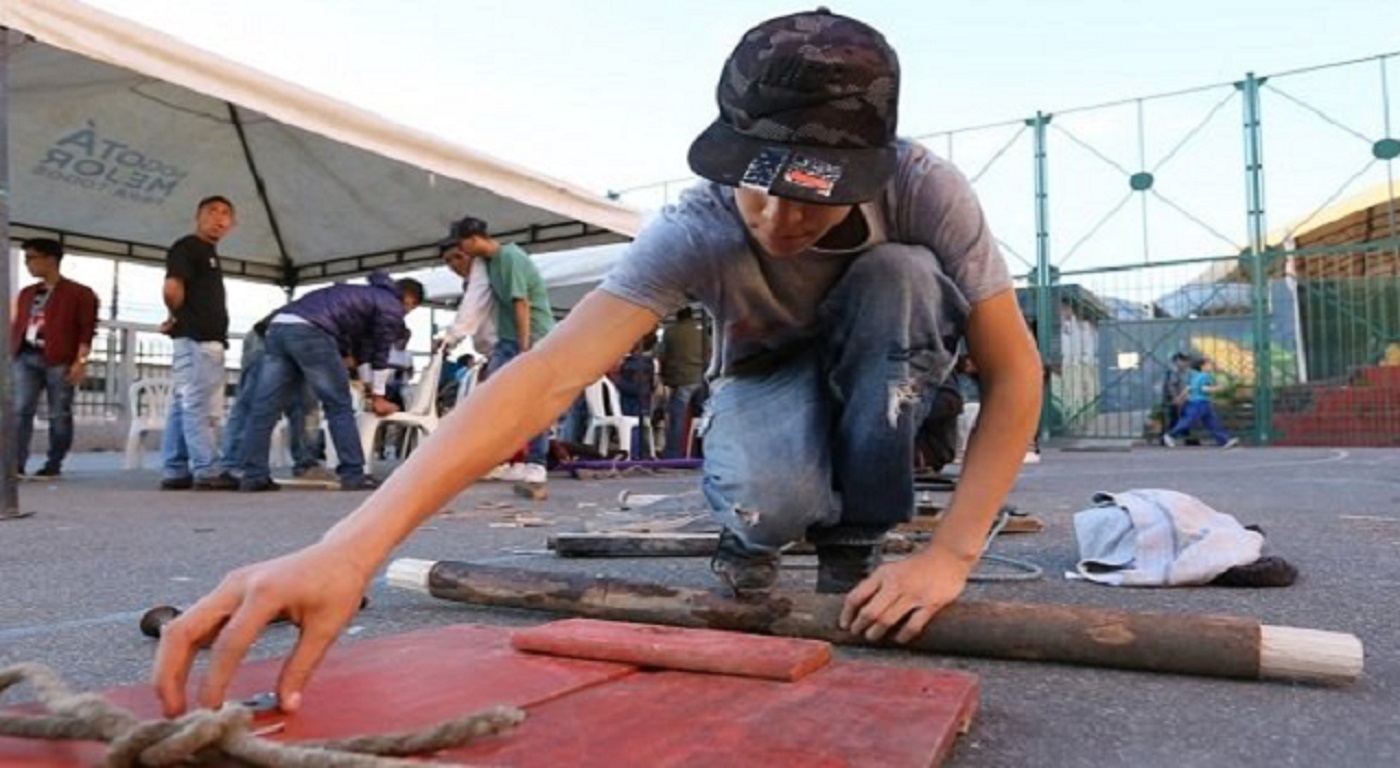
point(593, 398)
point(613, 397)
point(424, 396)
point(603, 399)
point(149, 399)
point(470, 377)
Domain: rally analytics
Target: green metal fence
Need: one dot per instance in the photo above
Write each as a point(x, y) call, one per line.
point(1249, 221)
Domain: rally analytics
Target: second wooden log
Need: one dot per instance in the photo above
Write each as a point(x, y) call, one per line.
point(1213, 646)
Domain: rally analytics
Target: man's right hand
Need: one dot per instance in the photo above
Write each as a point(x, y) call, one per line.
point(318, 589)
point(382, 406)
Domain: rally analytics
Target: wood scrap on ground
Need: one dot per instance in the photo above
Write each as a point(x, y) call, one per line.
point(670, 544)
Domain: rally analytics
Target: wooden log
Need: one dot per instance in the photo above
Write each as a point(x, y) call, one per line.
point(1213, 646)
point(667, 544)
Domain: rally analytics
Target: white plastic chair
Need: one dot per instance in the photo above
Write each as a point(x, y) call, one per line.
point(605, 417)
point(147, 403)
point(419, 413)
point(967, 421)
point(469, 380)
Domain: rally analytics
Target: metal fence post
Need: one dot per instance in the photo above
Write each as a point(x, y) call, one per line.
point(1044, 304)
point(1257, 227)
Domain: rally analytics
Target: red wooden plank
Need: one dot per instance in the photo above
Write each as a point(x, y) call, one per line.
point(588, 713)
point(387, 684)
point(846, 715)
point(693, 650)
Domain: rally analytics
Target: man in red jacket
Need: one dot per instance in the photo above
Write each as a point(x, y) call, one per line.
point(51, 336)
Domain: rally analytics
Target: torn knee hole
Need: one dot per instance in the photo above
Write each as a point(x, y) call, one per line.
point(902, 395)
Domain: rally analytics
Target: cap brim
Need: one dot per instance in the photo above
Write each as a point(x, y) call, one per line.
point(812, 174)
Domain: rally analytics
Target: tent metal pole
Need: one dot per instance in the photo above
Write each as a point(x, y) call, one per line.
point(9, 451)
point(288, 269)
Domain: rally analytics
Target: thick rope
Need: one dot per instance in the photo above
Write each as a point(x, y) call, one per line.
point(227, 732)
point(1024, 570)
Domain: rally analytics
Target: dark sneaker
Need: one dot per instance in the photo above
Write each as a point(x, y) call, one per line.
point(748, 573)
point(176, 483)
point(48, 470)
point(365, 483)
point(258, 486)
point(314, 472)
point(220, 482)
point(840, 567)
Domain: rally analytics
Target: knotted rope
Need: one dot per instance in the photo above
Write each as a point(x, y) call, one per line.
point(227, 732)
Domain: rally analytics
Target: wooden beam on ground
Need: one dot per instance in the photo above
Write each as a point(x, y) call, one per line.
point(1213, 646)
point(667, 544)
point(660, 647)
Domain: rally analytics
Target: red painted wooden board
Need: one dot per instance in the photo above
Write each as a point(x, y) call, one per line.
point(651, 646)
point(377, 686)
point(590, 713)
point(846, 715)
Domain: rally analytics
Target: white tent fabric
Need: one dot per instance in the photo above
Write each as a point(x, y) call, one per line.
point(116, 131)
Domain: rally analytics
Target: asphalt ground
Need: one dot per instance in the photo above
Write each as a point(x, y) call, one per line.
point(105, 545)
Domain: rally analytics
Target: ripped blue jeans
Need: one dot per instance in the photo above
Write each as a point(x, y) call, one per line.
point(821, 446)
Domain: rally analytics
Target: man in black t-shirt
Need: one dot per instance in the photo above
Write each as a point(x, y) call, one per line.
point(198, 327)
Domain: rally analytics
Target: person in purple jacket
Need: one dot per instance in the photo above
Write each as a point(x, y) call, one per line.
point(308, 341)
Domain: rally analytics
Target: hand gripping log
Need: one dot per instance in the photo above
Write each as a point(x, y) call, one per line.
point(1207, 645)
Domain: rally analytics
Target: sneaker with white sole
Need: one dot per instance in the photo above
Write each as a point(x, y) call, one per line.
point(1231, 443)
point(498, 472)
point(535, 474)
point(1168, 441)
point(525, 473)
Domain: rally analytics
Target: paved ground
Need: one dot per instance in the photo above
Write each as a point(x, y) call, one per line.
point(106, 545)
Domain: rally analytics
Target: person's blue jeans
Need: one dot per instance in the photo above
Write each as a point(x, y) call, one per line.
point(1202, 412)
point(820, 443)
point(683, 403)
point(505, 351)
point(305, 447)
point(575, 421)
point(188, 445)
point(32, 376)
point(297, 354)
point(303, 455)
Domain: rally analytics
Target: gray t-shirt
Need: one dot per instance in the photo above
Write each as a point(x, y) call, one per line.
point(698, 250)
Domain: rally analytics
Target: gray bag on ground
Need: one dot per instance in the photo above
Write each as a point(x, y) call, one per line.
point(1158, 538)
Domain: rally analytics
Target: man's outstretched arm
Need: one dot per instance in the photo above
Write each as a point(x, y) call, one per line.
point(319, 587)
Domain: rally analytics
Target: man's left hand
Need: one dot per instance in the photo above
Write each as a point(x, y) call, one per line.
point(76, 373)
point(383, 406)
point(912, 590)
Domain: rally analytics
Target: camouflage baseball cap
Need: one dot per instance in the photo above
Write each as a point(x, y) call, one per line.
point(808, 105)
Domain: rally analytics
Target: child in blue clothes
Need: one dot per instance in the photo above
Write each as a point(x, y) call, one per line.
point(1199, 408)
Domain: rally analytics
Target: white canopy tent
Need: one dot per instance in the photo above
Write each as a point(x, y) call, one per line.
point(116, 131)
point(110, 133)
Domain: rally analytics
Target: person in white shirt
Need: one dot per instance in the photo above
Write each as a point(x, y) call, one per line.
point(475, 321)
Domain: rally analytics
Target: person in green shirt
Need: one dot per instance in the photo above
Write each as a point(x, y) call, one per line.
point(523, 315)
